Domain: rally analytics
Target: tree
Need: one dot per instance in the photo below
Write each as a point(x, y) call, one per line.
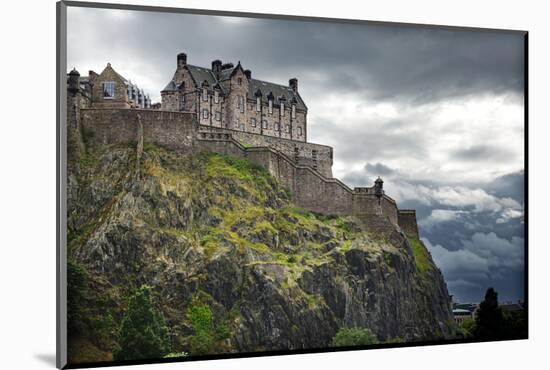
point(353, 337)
point(490, 323)
point(200, 316)
point(143, 333)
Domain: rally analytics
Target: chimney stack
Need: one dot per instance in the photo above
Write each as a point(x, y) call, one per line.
point(182, 60)
point(216, 67)
point(293, 84)
point(248, 73)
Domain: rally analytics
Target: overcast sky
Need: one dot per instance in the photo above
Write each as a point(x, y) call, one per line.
point(438, 114)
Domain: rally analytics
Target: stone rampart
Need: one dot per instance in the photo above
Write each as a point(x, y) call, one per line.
point(407, 222)
point(316, 156)
point(311, 188)
point(173, 130)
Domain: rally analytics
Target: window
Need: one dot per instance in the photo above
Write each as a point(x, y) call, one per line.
point(205, 113)
point(288, 129)
point(282, 110)
point(293, 114)
point(108, 90)
point(204, 94)
point(299, 131)
point(240, 103)
point(218, 116)
point(258, 104)
point(253, 122)
point(216, 97)
point(182, 102)
point(264, 124)
point(240, 81)
point(238, 124)
point(276, 126)
point(270, 108)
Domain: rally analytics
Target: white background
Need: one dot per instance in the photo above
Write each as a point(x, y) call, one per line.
point(27, 182)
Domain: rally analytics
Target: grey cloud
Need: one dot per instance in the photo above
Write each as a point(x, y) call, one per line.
point(379, 169)
point(385, 62)
point(482, 152)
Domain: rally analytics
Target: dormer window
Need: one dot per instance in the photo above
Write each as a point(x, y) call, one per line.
point(282, 111)
point(270, 107)
point(108, 90)
point(293, 114)
point(216, 97)
point(204, 94)
point(258, 104)
point(239, 81)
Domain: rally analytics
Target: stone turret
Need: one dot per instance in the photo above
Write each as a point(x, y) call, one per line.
point(378, 187)
point(74, 81)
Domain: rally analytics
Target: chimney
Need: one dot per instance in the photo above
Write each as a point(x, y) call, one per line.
point(248, 73)
point(293, 84)
point(216, 67)
point(182, 60)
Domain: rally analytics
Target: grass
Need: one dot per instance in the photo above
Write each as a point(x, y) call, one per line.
point(421, 255)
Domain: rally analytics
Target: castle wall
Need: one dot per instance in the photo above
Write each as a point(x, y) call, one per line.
point(174, 130)
point(180, 131)
point(407, 222)
point(316, 156)
point(309, 188)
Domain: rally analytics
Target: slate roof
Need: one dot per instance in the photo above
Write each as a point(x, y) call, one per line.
point(200, 74)
point(170, 87)
point(277, 90)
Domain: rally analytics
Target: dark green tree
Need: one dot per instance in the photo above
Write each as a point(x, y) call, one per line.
point(490, 323)
point(353, 337)
point(143, 333)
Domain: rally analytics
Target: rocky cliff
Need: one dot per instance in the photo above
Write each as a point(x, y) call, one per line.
point(220, 232)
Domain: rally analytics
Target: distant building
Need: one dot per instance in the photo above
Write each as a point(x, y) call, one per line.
point(460, 315)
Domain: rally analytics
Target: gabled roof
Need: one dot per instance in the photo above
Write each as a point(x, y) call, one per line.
point(200, 74)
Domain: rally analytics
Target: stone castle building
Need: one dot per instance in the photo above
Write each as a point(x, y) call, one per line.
point(109, 89)
point(226, 96)
point(223, 109)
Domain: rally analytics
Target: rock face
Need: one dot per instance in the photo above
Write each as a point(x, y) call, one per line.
point(221, 230)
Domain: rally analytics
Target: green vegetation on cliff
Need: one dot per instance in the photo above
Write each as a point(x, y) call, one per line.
point(232, 263)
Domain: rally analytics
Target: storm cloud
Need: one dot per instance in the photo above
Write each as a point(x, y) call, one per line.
point(437, 113)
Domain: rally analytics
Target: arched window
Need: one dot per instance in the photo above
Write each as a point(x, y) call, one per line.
point(204, 94)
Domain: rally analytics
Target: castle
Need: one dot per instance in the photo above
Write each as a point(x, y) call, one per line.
point(223, 109)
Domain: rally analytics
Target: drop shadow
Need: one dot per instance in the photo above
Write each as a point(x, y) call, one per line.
point(46, 358)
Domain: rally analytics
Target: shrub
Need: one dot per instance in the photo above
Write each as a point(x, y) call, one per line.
point(353, 337)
